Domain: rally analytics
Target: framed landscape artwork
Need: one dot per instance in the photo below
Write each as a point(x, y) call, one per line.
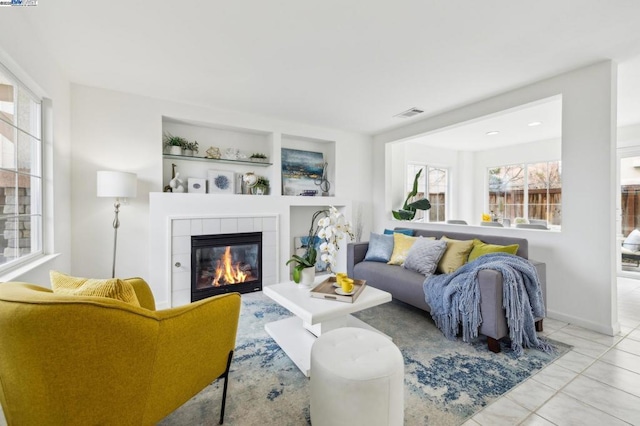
point(301, 172)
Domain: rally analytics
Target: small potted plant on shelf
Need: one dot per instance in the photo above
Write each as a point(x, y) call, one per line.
point(261, 187)
point(174, 144)
point(190, 148)
point(258, 157)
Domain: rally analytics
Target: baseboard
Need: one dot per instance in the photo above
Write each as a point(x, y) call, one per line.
point(581, 322)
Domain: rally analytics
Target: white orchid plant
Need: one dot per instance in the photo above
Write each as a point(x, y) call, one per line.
point(332, 228)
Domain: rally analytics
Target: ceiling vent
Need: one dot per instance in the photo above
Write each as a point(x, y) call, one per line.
point(411, 112)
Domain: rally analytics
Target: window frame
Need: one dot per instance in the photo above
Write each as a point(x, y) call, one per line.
point(425, 216)
point(525, 189)
point(37, 220)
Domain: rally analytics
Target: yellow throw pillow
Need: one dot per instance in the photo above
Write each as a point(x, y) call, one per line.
point(455, 256)
point(113, 288)
point(480, 248)
point(401, 245)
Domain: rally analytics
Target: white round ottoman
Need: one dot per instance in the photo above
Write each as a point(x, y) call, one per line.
point(357, 378)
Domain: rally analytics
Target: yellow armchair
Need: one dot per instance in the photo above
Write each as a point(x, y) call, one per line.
point(83, 360)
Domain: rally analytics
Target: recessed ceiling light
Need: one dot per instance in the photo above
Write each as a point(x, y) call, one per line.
point(534, 123)
point(493, 132)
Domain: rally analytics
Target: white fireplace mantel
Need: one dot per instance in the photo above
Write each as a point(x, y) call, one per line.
point(174, 218)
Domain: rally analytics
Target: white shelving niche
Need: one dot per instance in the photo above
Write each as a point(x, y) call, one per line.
point(247, 141)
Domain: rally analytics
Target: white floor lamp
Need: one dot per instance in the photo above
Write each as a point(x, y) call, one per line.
point(116, 185)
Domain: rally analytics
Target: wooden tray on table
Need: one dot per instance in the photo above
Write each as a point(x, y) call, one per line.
point(327, 290)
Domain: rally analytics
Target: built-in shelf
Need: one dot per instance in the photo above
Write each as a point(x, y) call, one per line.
point(216, 160)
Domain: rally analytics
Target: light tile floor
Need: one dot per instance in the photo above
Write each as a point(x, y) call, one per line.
point(596, 383)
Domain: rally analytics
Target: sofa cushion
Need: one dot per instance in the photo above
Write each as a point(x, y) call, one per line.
point(401, 245)
point(455, 255)
point(113, 288)
point(408, 232)
point(424, 255)
point(480, 248)
point(380, 248)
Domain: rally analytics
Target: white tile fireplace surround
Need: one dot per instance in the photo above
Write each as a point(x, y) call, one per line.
point(182, 229)
point(174, 218)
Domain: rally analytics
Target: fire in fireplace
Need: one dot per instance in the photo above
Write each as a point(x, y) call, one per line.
point(225, 263)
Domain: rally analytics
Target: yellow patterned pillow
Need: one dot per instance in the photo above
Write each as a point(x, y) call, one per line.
point(401, 245)
point(455, 256)
point(113, 288)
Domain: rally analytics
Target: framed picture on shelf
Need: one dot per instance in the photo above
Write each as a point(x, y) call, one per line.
point(197, 185)
point(300, 172)
point(221, 182)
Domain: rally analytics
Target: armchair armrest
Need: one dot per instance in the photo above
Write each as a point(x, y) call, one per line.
point(143, 293)
point(355, 254)
point(194, 343)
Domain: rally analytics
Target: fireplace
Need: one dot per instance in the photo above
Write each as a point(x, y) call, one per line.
point(225, 263)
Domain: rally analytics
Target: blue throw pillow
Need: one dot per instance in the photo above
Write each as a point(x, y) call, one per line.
point(408, 232)
point(380, 248)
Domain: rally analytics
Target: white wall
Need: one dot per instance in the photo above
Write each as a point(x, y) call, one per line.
point(118, 131)
point(25, 56)
point(580, 259)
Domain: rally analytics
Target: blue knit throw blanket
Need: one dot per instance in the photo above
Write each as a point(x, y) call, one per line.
point(455, 299)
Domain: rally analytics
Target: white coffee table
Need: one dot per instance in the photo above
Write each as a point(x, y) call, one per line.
point(314, 316)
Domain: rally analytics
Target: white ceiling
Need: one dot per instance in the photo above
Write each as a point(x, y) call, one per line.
point(345, 64)
point(512, 127)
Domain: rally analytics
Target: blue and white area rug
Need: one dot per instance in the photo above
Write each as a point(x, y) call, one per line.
point(446, 382)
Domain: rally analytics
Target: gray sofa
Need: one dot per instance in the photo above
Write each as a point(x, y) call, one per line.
point(406, 285)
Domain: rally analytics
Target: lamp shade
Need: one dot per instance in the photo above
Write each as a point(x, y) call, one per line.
point(117, 184)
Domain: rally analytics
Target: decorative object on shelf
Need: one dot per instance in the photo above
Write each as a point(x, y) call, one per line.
point(175, 144)
point(231, 154)
point(173, 175)
point(197, 185)
point(309, 193)
point(258, 157)
point(261, 186)
point(176, 184)
point(322, 181)
point(190, 148)
point(249, 180)
point(213, 152)
point(221, 182)
point(300, 169)
point(116, 185)
point(408, 210)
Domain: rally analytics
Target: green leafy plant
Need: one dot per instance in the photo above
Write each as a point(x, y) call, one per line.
point(193, 146)
point(408, 210)
point(171, 140)
point(262, 182)
point(258, 155)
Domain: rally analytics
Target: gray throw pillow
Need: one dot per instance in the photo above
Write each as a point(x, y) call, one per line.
point(380, 248)
point(424, 255)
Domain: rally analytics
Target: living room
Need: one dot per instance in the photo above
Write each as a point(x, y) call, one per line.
point(109, 116)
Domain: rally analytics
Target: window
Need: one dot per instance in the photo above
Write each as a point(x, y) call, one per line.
point(530, 191)
point(434, 181)
point(20, 172)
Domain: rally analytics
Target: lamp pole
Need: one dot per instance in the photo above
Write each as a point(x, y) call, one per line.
point(116, 225)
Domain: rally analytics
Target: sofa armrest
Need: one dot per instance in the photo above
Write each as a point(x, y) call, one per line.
point(541, 269)
point(355, 254)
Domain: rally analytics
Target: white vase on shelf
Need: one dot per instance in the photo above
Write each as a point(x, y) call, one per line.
point(175, 150)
